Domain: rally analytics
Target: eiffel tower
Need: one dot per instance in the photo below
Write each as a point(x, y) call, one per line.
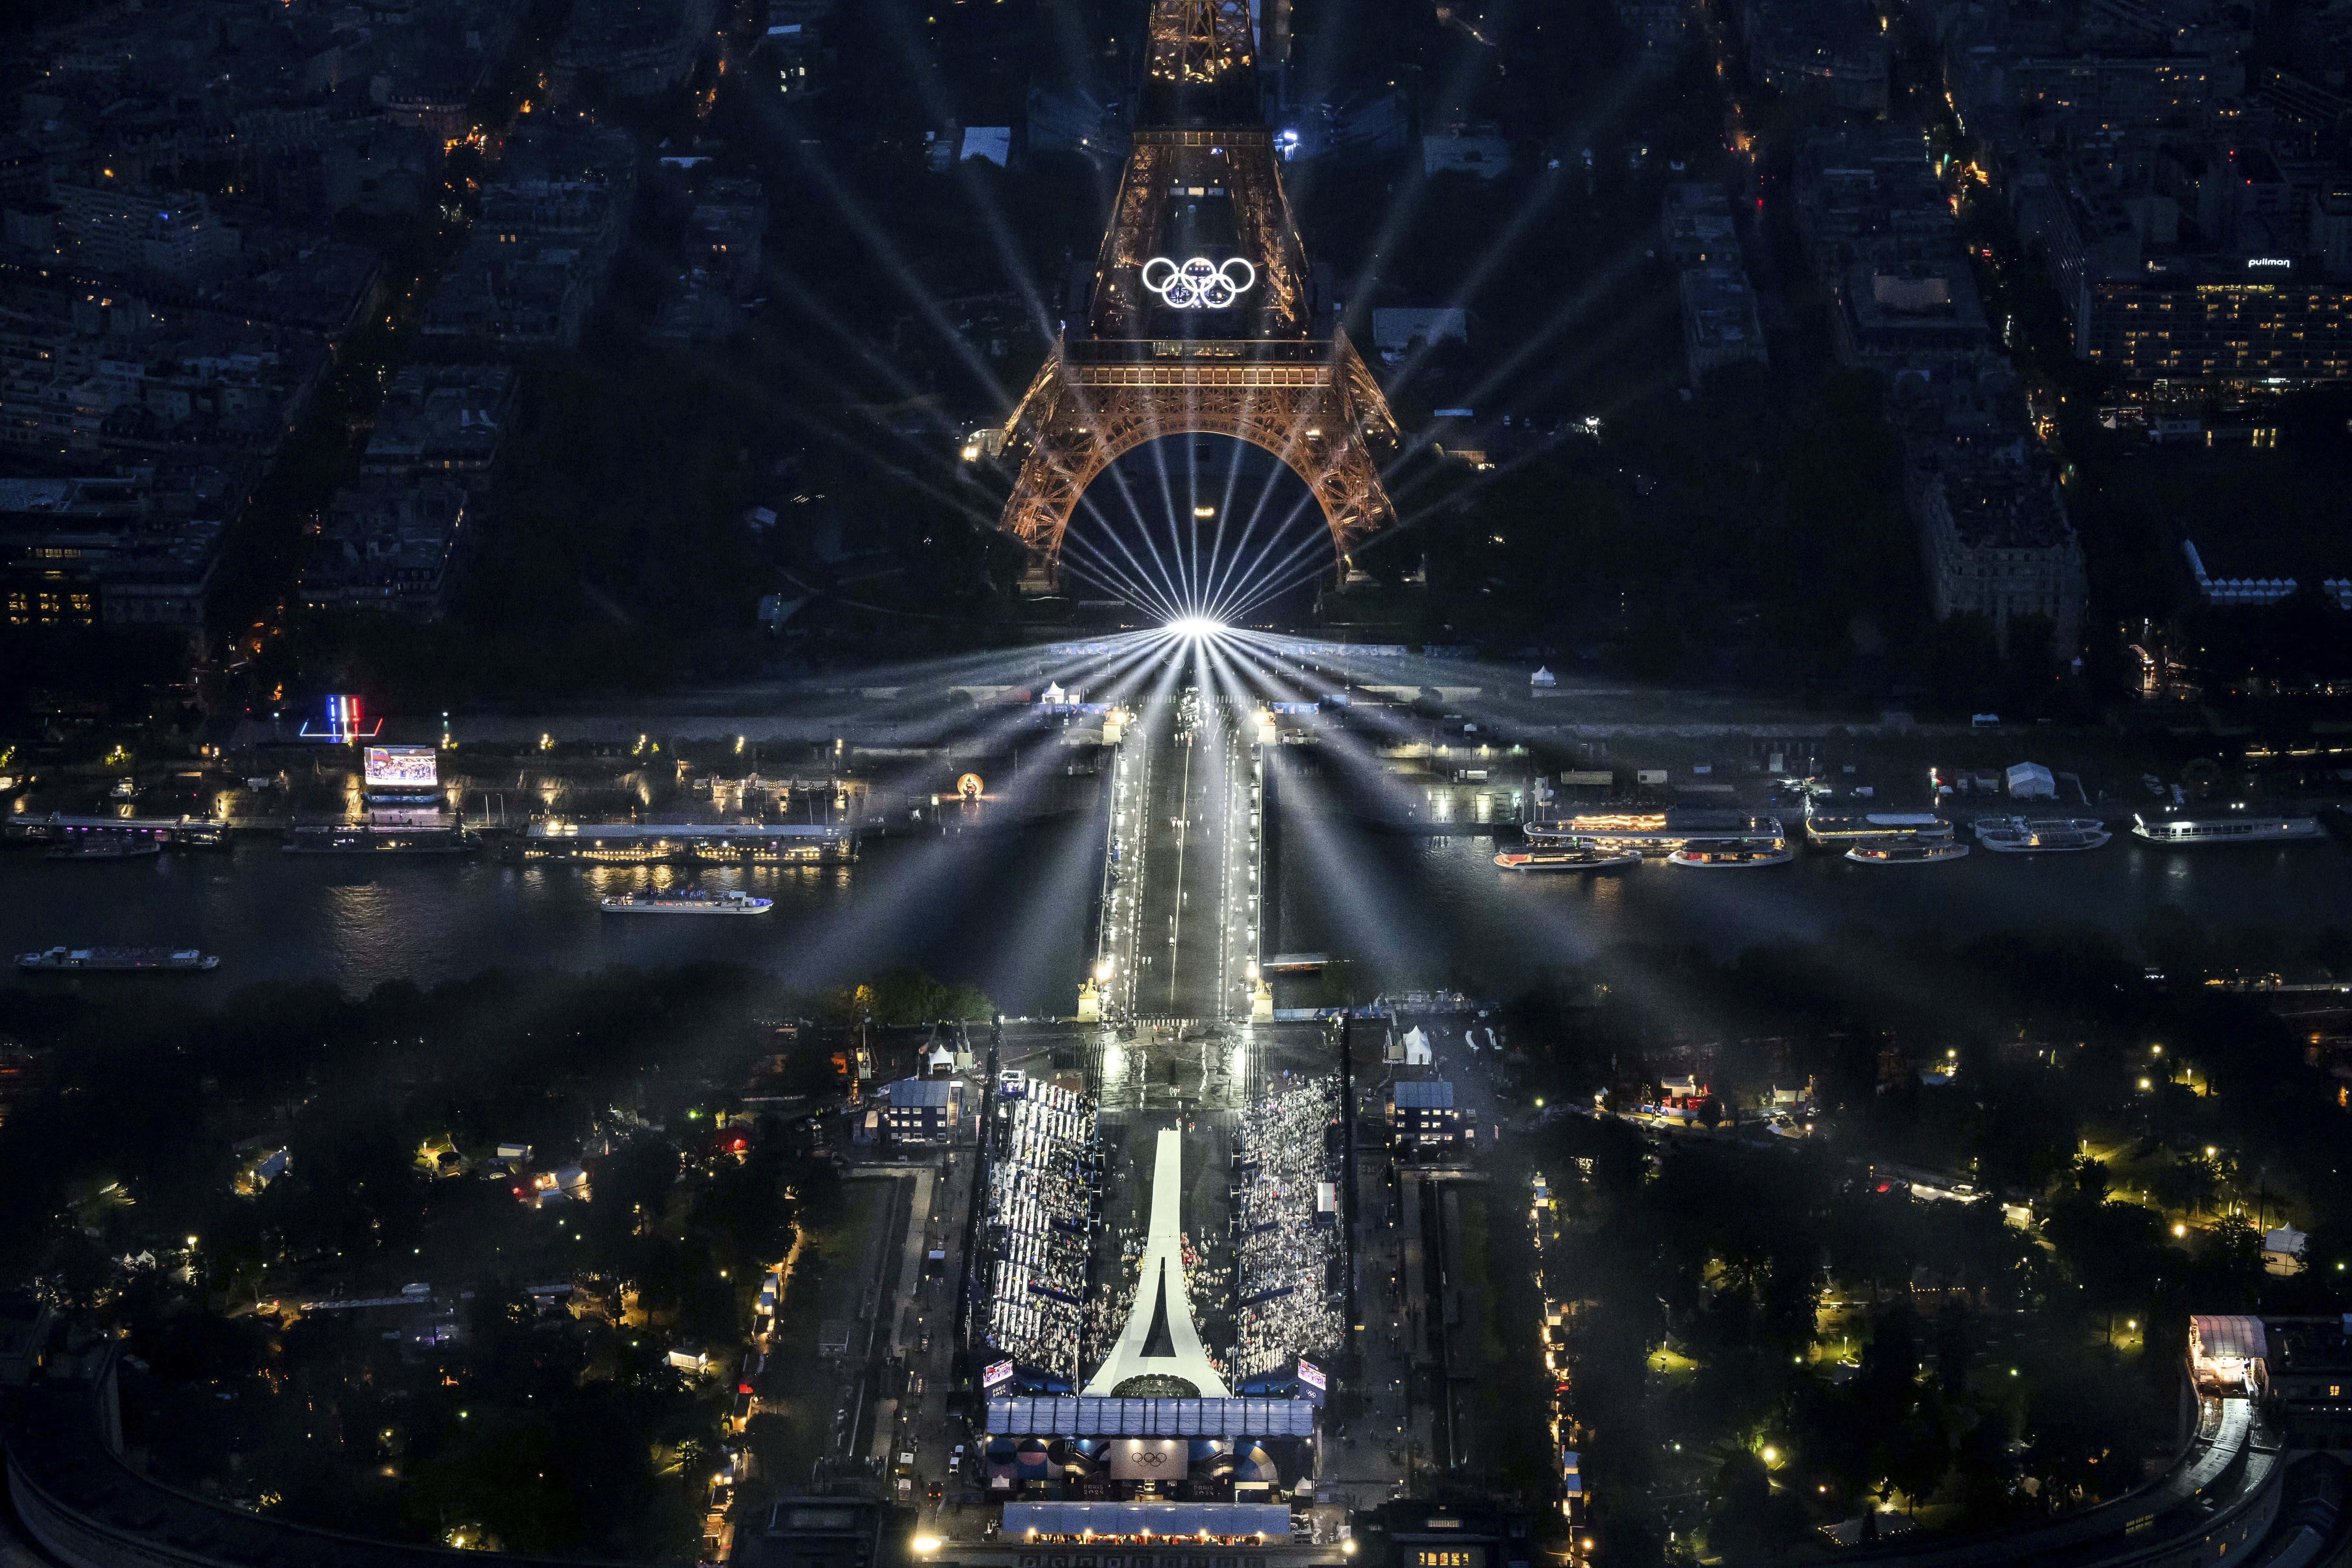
point(1200, 321)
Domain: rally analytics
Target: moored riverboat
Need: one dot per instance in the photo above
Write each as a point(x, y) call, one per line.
point(1566, 857)
point(2040, 835)
point(1906, 851)
point(118, 960)
point(688, 900)
point(1731, 857)
point(2228, 827)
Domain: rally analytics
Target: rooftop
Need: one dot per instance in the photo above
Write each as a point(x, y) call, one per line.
point(1082, 1416)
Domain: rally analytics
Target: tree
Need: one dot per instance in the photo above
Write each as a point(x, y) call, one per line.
point(1739, 1527)
point(2189, 1184)
point(2232, 1257)
point(1955, 1347)
point(2091, 1178)
point(1918, 1454)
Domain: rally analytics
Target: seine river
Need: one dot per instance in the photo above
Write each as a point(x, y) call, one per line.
point(1012, 910)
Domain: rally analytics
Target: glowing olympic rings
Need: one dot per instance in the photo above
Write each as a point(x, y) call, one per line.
point(1199, 284)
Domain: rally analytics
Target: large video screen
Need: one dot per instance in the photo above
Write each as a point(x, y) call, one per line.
point(403, 768)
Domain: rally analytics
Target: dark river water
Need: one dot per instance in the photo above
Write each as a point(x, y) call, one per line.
point(1437, 911)
point(1011, 912)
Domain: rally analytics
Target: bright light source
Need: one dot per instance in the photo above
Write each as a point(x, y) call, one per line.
point(1196, 626)
point(927, 1543)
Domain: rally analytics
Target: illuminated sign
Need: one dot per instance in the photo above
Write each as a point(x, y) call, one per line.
point(968, 785)
point(2253, 261)
point(1310, 1375)
point(344, 722)
point(1199, 284)
point(994, 1378)
point(403, 768)
point(1459, 1557)
point(1148, 1458)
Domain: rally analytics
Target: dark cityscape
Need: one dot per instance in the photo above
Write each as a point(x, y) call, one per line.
point(935, 783)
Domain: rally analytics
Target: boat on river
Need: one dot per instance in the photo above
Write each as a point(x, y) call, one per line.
point(356, 841)
point(2230, 828)
point(1906, 851)
point(690, 901)
point(1731, 856)
point(118, 960)
point(1834, 823)
point(2040, 835)
point(1736, 836)
point(108, 847)
point(1566, 857)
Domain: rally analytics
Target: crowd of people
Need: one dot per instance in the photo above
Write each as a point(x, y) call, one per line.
point(1285, 1242)
point(1043, 1177)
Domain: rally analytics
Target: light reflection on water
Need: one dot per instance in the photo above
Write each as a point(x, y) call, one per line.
point(1420, 911)
point(1010, 911)
point(359, 922)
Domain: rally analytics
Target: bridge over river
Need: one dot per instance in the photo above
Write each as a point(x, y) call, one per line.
point(1177, 940)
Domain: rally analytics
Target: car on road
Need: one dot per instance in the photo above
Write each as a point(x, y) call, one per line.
point(955, 1461)
point(933, 1492)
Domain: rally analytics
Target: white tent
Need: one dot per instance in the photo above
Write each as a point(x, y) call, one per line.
point(1416, 1048)
point(2282, 1250)
point(2031, 781)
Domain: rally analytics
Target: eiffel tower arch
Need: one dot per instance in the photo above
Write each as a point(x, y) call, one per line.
point(1200, 322)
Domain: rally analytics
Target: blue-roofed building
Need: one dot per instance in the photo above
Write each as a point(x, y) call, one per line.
point(923, 1110)
point(1423, 1116)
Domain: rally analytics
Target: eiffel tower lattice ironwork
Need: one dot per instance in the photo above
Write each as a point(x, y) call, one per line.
point(1202, 180)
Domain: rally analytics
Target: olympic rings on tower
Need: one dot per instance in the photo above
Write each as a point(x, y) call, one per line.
point(1199, 284)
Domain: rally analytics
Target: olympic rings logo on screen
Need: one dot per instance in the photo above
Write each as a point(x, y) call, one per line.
point(1199, 284)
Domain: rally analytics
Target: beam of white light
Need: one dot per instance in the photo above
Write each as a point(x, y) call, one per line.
point(1607, 109)
point(1139, 587)
point(1230, 591)
point(918, 880)
point(1193, 628)
point(1167, 574)
point(1265, 578)
point(1471, 60)
point(1148, 585)
point(1490, 261)
point(896, 269)
point(922, 66)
